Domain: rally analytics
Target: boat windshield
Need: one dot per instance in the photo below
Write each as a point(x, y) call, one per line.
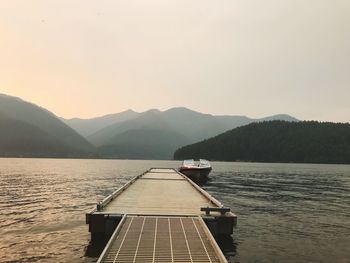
point(203, 162)
point(188, 162)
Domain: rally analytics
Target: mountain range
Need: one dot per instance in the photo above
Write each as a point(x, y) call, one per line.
point(156, 134)
point(29, 130)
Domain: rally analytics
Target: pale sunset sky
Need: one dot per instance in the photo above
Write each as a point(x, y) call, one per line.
point(85, 58)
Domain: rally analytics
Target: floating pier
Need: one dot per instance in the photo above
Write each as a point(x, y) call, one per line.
point(160, 216)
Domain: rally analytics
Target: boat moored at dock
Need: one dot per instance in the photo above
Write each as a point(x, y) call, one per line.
point(195, 169)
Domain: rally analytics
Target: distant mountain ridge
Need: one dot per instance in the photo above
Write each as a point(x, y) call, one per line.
point(87, 127)
point(184, 125)
point(29, 130)
point(32, 131)
point(100, 129)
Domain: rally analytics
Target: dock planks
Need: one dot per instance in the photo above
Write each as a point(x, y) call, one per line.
point(160, 193)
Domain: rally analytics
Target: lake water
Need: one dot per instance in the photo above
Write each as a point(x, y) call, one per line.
point(286, 212)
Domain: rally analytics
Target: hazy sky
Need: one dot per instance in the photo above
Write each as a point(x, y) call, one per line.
point(84, 58)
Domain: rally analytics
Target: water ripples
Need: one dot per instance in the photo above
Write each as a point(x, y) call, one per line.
point(286, 212)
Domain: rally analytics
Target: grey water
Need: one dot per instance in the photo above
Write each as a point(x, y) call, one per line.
point(286, 212)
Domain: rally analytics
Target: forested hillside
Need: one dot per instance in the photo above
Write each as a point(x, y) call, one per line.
point(276, 141)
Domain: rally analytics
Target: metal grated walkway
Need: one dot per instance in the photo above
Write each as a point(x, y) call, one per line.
point(161, 239)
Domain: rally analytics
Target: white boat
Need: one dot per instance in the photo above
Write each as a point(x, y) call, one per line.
point(192, 168)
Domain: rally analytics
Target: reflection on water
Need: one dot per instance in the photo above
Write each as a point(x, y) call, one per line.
point(201, 181)
point(286, 212)
point(94, 249)
point(228, 246)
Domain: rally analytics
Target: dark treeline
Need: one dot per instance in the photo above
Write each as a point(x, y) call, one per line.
point(276, 141)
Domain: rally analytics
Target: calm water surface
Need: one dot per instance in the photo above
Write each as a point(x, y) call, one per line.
point(286, 212)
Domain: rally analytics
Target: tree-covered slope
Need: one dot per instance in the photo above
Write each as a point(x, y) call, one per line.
point(276, 141)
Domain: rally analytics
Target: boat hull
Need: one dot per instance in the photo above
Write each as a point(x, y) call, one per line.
point(195, 172)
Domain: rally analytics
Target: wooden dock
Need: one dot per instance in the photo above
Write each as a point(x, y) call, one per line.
point(160, 216)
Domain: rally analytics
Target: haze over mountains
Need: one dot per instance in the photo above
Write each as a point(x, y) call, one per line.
point(87, 127)
point(156, 134)
point(29, 130)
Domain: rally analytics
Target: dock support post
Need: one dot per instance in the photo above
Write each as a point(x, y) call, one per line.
point(102, 226)
point(220, 225)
